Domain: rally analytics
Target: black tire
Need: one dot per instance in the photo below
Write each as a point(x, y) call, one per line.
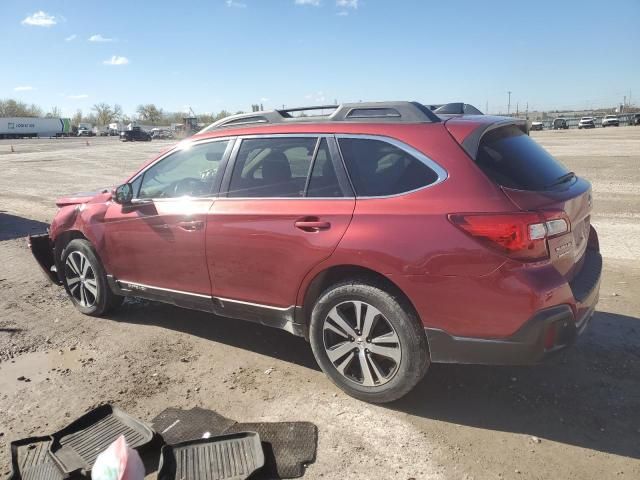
point(414, 360)
point(104, 300)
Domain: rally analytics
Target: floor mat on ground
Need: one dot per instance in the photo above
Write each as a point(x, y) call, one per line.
point(76, 447)
point(30, 460)
point(288, 446)
point(227, 457)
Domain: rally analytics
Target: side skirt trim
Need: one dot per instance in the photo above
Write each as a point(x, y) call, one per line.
point(277, 317)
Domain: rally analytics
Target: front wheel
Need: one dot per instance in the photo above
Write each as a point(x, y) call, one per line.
point(368, 342)
point(85, 280)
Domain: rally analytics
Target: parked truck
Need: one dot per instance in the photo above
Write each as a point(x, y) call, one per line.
point(31, 127)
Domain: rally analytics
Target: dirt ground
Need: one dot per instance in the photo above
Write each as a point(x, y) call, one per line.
point(574, 417)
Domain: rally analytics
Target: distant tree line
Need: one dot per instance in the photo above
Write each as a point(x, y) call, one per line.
point(102, 114)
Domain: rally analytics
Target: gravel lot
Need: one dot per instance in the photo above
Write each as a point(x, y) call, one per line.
point(575, 417)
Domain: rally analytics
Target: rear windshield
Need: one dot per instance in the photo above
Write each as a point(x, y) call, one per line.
point(512, 159)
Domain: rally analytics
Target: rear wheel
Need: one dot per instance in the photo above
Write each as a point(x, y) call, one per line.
point(368, 342)
point(85, 280)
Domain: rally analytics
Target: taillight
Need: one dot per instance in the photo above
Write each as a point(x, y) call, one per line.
point(520, 235)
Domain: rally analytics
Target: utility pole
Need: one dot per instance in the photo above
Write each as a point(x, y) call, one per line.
point(509, 103)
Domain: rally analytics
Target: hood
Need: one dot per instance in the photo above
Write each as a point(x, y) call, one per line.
point(101, 195)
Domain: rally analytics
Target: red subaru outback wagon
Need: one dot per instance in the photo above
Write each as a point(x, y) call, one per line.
point(386, 234)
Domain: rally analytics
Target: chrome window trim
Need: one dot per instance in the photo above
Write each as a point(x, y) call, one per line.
point(181, 146)
point(440, 172)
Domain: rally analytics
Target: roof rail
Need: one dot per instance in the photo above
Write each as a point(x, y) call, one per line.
point(377, 112)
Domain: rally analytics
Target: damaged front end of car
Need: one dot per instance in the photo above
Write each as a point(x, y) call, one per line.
point(42, 249)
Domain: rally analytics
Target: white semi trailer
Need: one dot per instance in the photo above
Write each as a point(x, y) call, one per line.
point(25, 127)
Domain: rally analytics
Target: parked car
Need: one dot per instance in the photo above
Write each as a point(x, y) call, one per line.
point(162, 134)
point(560, 124)
point(635, 120)
point(610, 121)
point(537, 125)
point(136, 134)
point(84, 132)
point(387, 236)
point(586, 122)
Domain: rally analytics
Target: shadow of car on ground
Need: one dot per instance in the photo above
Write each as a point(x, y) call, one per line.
point(12, 226)
point(586, 396)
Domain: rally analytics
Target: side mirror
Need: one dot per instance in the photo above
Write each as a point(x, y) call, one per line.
point(123, 194)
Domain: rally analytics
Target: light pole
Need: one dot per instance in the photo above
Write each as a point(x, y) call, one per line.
point(509, 103)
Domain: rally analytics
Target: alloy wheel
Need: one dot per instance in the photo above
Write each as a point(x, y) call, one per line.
point(81, 279)
point(361, 343)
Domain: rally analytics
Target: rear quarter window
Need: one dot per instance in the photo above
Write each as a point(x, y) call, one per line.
point(378, 168)
point(512, 159)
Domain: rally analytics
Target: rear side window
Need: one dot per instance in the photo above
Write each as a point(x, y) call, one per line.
point(512, 159)
point(378, 168)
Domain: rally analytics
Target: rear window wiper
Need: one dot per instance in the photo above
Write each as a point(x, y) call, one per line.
point(562, 179)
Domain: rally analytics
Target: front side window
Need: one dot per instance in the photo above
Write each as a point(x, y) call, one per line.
point(272, 167)
point(378, 168)
point(188, 172)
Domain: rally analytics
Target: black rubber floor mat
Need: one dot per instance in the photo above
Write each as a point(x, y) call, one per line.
point(175, 425)
point(227, 457)
point(288, 446)
point(30, 460)
point(76, 447)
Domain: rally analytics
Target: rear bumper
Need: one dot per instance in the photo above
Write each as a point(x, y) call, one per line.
point(548, 331)
point(42, 250)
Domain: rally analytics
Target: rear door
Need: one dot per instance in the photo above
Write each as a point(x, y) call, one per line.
point(286, 207)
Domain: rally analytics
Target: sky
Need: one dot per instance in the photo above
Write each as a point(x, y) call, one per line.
point(229, 54)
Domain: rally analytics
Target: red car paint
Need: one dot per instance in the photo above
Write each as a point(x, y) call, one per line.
point(251, 250)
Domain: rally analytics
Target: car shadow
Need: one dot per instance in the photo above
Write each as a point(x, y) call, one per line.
point(12, 226)
point(587, 396)
point(236, 333)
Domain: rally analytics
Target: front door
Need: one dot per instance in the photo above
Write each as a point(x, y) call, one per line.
point(158, 242)
point(287, 207)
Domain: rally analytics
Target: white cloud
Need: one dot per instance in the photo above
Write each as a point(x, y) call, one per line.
point(235, 4)
point(99, 38)
point(347, 4)
point(71, 38)
point(342, 13)
point(23, 88)
point(315, 3)
point(116, 60)
point(78, 97)
point(40, 19)
point(264, 99)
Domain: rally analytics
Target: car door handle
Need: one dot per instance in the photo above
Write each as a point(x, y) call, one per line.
point(192, 225)
point(160, 226)
point(312, 225)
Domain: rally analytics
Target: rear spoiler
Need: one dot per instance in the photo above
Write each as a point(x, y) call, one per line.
point(468, 131)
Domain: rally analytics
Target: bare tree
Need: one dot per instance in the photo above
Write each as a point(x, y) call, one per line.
point(150, 113)
point(104, 113)
point(14, 108)
point(117, 112)
point(77, 117)
point(54, 113)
